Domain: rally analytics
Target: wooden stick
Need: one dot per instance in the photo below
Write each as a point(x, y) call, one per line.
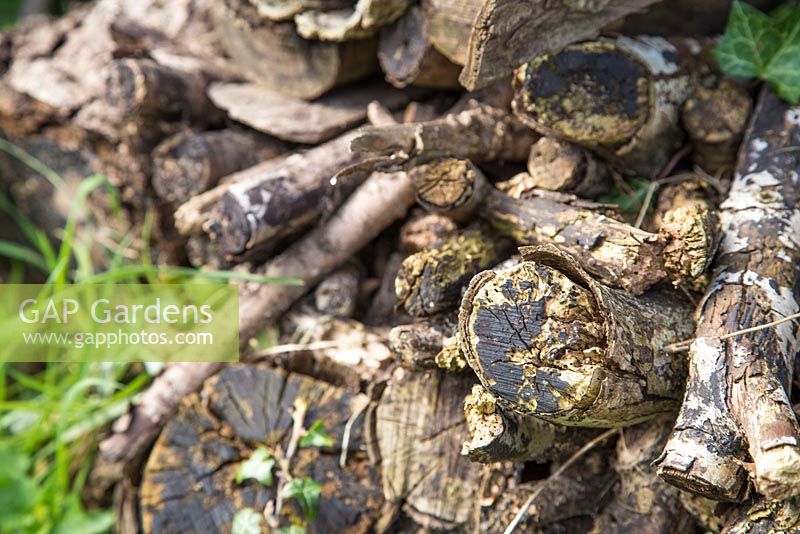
point(737, 395)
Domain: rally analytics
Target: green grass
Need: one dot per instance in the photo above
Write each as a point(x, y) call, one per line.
point(51, 415)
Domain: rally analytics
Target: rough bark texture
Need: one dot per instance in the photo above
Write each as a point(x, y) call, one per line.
point(191, 162)
point(296, 120)
point(620, 98)
point(377, 203)
point(498, 435)
point(766, 517)
point(419, 427)
point(416, 345)
point(363, 20)
point(189, 480)
point(737, 397)
point(690, 223)
point(550, 342)
point(507, 33)
point(274, 55)
point(450, 23)
point(480, 132)
point(408, 57)
point(643, 502)
point(615, 253)
point(431, 281)
point(267, 202)
point(715, 118)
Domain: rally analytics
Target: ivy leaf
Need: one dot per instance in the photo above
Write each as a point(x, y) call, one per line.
point(768, 47)
point(306, 492)
point(246, 521)
point(316, 436)
point(258, 467)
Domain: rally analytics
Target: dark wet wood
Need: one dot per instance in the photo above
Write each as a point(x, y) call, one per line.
point(549, 341)
point(189, 480)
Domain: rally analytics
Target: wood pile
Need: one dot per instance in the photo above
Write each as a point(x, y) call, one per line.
point(491, 344)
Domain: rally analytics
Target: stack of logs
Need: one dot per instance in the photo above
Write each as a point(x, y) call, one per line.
point(489, 345)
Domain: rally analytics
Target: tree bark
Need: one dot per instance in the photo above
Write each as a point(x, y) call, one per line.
point(293, 119)
point(431, 281)
point(450, 186)
point(418, 428)
point(416, 345)
point(274, 54)
point(549, 341)
point(361, 21)
point(737, 397)
point(481, 133)
point(268, 202)
point(497, 435)
point(408, 57)
point(507, 33)
point(192, 162)
point(624, 98)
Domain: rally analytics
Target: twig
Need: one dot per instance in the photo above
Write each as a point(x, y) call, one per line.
point(346, 434)
point(684, 345)
point(651, 191)
point(563, 467)
point(285, 476)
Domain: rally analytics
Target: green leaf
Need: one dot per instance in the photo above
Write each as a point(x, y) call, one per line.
point(768, 47)
point(306, 492)
point(17, 490)
point(316, 436)
point(257, 467)
point(246, 521)
point(622, 196)
point(292, 529)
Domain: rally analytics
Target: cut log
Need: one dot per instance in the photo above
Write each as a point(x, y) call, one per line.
point(560, 166)
point(419, 428)
point(549, 341)
point(507, 33)
point(416, 345)
point(407, 55)
point(275, 56)
point(620, 98)
point(480, 133)
point(189, 482)
point(643, 502)
point(615, 253)
point(296, 120)
point(450, 24)
point(376, 204)
point(336, 295)
point(361, 21)
point(423, 231)
point(192, 162)
point(737, 396)
point(715, 119)
point(498, 435)
point(450, 186)
point(431, 281)
point(268, 202)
